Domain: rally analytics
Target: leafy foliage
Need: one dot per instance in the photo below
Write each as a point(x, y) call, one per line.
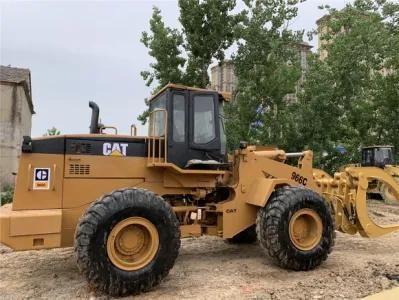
point(267, 69)
point(7, 195)
point(164, 46)
point(184, 56)
point(350, 98)
point(347, 100)
point(52, 131)
point(208, 27)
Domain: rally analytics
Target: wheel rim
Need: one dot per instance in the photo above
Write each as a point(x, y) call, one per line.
point(305, 229)
point(132, 243)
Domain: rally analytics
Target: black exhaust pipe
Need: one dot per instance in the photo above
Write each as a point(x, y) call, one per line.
point(95, 112)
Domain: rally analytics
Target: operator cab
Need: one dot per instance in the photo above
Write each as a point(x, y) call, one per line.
point(192, 120)
point(377, 156)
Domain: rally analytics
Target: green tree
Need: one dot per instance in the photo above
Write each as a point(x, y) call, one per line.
point(164, 46)
point(6, 195)
point(52, 131)
point(185, 56)
point(208, 28)
point(351, 97)
point(267, 69)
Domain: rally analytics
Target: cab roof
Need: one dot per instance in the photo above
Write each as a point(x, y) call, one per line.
point(224, 95)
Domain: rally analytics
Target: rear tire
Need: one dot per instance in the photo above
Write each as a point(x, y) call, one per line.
point(248, 236)
point(296, 228)
point(127, 242)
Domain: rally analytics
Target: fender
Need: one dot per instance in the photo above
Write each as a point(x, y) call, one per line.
point(262, 188)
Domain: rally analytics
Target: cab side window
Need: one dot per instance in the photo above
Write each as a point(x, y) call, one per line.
point(158, 117)
point(179, 118)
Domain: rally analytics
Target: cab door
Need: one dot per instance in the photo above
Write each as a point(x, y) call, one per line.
point(178, 149)
point(194, 127)
point(205, 127)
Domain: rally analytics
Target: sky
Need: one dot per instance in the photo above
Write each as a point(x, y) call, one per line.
point(81, 51)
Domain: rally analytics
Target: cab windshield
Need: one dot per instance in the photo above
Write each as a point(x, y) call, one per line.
point(384, 156)
point(377, 157)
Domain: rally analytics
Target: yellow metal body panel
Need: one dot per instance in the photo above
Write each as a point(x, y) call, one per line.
point(48, 218)
point(77, 181)
point(111, 167)
point(26, 197)
point(30, 222)
point(30, 229)
point(192, 230)
point(261, 189)
point(392, 170)
point(109, 173)
point(257, 175)
point(367, 226)
point(347, 192)
point(75, 201)
point(83, 191)
point(392, 294)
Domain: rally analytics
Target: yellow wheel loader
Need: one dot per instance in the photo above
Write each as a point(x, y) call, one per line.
point(125, 201)
point(380, 157)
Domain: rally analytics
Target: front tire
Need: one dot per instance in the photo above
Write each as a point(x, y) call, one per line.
point(127, 242)
point(296, 228)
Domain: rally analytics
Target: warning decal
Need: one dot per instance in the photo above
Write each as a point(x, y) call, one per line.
point(41, 179)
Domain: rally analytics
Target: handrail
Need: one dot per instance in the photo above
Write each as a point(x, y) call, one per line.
point(295, 154)
point(152, 137)
point(108, 127)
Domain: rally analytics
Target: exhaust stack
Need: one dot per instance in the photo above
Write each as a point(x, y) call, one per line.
point(95, 112)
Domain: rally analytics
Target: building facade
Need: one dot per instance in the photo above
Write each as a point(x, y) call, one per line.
point(304, 50)
point(223, 78)
point(322, 31)
point(16, 110)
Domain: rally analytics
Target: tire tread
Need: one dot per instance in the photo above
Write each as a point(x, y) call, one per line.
point(112, 281)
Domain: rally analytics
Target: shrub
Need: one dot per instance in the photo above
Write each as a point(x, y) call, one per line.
point(6, 195)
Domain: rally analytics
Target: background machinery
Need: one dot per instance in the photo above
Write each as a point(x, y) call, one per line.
point(125, 201)
point(381, 157)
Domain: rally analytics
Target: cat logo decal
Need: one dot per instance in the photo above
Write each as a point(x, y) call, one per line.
point(114, 149)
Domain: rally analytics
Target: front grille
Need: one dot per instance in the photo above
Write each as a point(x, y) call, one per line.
point(79, 169)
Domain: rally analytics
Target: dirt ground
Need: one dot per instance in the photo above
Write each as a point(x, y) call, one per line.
point(210, 268)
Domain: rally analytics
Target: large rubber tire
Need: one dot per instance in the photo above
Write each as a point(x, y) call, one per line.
point(93, 231)
point(248, 236)
point(272, 227)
